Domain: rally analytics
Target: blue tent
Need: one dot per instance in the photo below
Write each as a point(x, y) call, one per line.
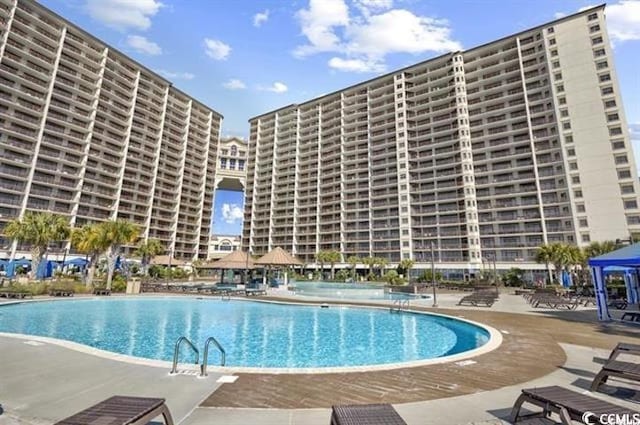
point(627, 258)
point(11, 266)
point(45, 269)
point(78, 262)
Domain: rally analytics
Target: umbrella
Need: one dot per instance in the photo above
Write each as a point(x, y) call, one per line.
point(237, 260)
point(278, 257)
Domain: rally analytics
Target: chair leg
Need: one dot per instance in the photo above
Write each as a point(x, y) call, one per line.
point(515, 410)
point(600, 379)
point(614, 354)
point(565, 417)
point(166, 414)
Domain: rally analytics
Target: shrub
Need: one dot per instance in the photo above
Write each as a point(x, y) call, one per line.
point(342, 275)
point(119, 284)
point(392, 278)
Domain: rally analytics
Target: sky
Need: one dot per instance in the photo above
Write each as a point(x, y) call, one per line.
point(243, 58)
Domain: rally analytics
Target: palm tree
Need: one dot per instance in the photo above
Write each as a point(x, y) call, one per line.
point(89, 240)
point(599, 248)
point(321, 259)
point(353, 261)
point(544, 255)
point(147, 251)
point(370, 261)
point(332, 257)
point(381, 263)
point(38, 230)
point(406, 265)
point(116, 234)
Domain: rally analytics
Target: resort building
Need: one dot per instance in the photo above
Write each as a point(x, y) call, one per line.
point(479, 156)
point(87, 132)
point(221, 245)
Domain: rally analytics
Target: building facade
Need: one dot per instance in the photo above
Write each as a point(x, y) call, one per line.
point(221, 245)
point(91, 134)
point(478, 155)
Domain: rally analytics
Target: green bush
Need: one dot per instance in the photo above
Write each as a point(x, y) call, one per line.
point(118, 284)
point(425, 277)
point(342, 275)
point(392, 278)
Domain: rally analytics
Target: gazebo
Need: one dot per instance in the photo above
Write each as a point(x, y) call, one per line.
point(278, 257)
point(627, 258)
point(165, 260)
point(236, 260)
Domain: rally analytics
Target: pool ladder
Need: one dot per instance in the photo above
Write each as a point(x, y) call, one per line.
point(203, 365)
point(398, 306)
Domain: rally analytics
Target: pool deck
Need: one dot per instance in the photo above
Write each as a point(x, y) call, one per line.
point(41, 382)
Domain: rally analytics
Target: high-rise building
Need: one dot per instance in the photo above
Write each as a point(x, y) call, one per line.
point(486, 154)
point(87, 132)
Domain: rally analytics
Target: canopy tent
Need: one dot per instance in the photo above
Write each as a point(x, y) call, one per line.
point(45, 269)
point(278, 257)
point(77, 262)
point(10, 267)
point(627, 258)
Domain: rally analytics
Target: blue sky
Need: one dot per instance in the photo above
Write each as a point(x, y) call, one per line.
point(244, 58)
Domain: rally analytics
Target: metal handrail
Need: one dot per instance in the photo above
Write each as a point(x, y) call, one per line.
point(223, 355)
point(399, 305)
point(176, 351)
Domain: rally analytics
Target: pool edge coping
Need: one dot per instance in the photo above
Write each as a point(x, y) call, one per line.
point(495, 340)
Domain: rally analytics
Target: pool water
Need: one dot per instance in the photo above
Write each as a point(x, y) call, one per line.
point(354, 291)
point(254, 334)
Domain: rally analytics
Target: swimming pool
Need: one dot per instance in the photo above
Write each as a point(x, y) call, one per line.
point(254, 334)
point(354, 291)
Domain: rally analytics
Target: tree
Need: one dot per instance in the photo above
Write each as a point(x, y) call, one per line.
point(117, 233)
point(406, 265)
point(321, 258)
point(381, 263)
point(38, 230)
point(353, 261)
point(513, 277)
point(595, 249)
point(560, 255)
point(147, 250)
point(544, 255)
point(90, 240)
point(369, 261)
point(332, 257)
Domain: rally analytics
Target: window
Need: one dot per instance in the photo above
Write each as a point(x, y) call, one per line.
point(580, 208)
point(599, 52)
point(560, 88)
point(398, 86)
point(555, 64)
point(602, 65)
point(223, 163)
point(552, 41)
point(624, 174)
point(610, 104)
point(554, 53)
point(577, 194)
point(571, 152)
point(562, 100)
point(573, 165)
point(550, 30)
point(621, 159)
point(596, 40)
point(241, 164)
point(234, 150)
point(633, 219)
point(566, 125)
point(592, 17)
point(583, 222)
point(615, 131)
point(232, 164)
point(564, 112)
point(607, 90)
point(630, 204)
point(575, 179)
point(558, 76)
point(627, 189)
point(568, 138)
point(618, 145)
point(594, 28)
point(612, 117)
point(604, 78)
point(585, 237)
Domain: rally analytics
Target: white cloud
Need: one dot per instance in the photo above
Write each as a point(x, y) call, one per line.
point(234, 84)
point(176, 75)
point(623, 20)
point(143, 45)
point(216, 49)
point(317, 24)
point(559, 15)
point(367, 33)
point(124, 14)
point(276, 87)
point(232, 213)
point(260, 18)
point(355, 65)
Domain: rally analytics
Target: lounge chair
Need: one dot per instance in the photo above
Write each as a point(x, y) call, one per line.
point(617, 369)
point(365, 414)
point(121, 410)
point(624, 348)
point(101, 291)
point(631, 316)
point(476, 299)
point(569, 405)
point(61, 292)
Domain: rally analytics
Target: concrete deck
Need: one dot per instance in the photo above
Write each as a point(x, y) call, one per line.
point(41, 383)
